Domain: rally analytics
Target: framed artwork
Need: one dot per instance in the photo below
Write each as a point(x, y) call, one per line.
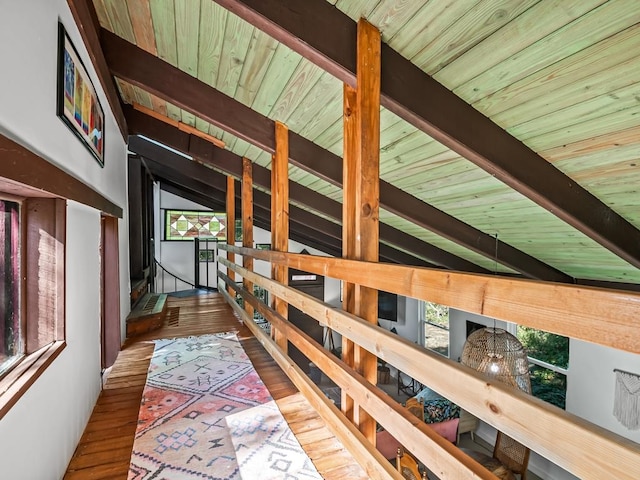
point(77, 102)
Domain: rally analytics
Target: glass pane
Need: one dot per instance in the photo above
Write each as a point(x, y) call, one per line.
point(545, 346)
point(548, 385)
point(11, 347)
point(436, 327)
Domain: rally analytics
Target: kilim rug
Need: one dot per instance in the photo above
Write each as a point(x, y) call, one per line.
point(192, 385)
point(266, 448)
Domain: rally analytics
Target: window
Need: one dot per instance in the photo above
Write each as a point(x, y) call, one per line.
point(11, 334)
point(33, 233)
point(549, 360)
point(435, 319)
point(190, 224)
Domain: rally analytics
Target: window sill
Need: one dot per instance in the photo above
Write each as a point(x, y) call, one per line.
point(18, 380)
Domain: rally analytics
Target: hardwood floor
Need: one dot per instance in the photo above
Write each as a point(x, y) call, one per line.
point(104, 450)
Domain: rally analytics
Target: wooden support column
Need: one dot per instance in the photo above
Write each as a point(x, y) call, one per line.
point(349, 172)
point(247, 223)
point(280, 218)
point(231, 225)
point(367, 195)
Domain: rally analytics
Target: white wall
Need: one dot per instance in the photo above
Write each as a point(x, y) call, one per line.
point(40, 432)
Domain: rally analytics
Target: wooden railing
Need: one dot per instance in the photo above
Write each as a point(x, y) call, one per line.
point(600, 316)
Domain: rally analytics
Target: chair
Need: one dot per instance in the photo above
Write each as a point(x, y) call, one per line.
point(511, 454)
point(416, 407)
point(408, 466)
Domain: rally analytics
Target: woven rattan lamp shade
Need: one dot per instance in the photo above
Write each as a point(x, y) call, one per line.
point(498, 354)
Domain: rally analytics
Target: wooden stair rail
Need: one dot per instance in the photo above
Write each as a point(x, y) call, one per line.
point(546, 424)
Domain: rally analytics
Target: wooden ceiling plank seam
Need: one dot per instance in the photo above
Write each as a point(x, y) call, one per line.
point(478, 23)
point(499, 46)
point(187, 36)
point(619, 48)
point(304, 78)
point(231, 163)
point(602, 82)
point(390, 15)
point(284, 62)
point(140, 16)
point(592, 27)
point(434, 19)
point(598, 107)
point(323, 230)
point(261, 50)
point(448, 119)
point(237, 36)
point(213, 21)
point(119, 19)
point(164, 26)
point(88, 24)
point(166, 81)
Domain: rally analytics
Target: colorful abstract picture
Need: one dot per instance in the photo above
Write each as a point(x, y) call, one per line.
point(77, 102)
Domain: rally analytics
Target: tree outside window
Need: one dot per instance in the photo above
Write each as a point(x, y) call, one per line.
point(549, 361)
point(436, 327)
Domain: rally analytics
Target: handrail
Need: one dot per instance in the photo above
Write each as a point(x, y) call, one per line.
point(176, 277)
point(603, 316)
point(546, 424)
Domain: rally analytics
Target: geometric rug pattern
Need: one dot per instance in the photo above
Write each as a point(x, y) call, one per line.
point(192, 385)
point(265, 446)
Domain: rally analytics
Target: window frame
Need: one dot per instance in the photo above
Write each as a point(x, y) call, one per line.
point(42, 297)
point(165, 233)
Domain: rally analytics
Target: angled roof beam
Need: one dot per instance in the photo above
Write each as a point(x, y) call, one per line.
point(303, 27)
point(198, 178)
point(232, 164)
point(147, 71)
point(297, 233)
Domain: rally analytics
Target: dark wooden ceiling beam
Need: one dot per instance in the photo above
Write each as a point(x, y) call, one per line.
point(147, 71)
point(298, 233)
point(84, 14)
point(197, 178)
point(230, 163)
point(303, 27)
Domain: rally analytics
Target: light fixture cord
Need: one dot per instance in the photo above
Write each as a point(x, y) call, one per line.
point(495, 272)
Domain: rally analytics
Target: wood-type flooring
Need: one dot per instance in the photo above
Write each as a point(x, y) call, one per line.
point(104, 450)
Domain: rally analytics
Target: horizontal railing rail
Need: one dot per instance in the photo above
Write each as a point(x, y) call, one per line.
point(539, 425)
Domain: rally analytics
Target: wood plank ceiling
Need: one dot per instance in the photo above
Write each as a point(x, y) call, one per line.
point(561, 76)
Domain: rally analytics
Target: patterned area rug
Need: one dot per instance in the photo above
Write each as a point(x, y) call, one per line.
point(266, 447)
point(192, 385)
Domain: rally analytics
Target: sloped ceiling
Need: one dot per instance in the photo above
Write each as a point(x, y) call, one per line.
point(530, 131)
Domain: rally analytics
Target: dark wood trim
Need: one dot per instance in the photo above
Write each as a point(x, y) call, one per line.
point(135, 175)
point(445, 117)
point(162, 79)
point(45, 311)
point(25, 167)
point(305, 226)
point(231, 163)
point(111, 324)
point(86, 20)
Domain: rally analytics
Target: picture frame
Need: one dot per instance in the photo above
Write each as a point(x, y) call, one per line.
point(77, 103)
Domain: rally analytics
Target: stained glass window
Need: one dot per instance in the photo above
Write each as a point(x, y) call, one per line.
point(189, 224)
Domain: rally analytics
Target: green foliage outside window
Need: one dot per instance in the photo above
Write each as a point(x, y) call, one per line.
point(546, 384)
point(436, 314)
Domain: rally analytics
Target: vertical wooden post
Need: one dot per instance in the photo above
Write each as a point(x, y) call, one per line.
point(367, 194)
point(231, 225)
point(280, 218)
point(247, 224)
point(349, 185)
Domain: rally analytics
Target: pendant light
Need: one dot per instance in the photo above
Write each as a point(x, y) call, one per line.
point(497, 353)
